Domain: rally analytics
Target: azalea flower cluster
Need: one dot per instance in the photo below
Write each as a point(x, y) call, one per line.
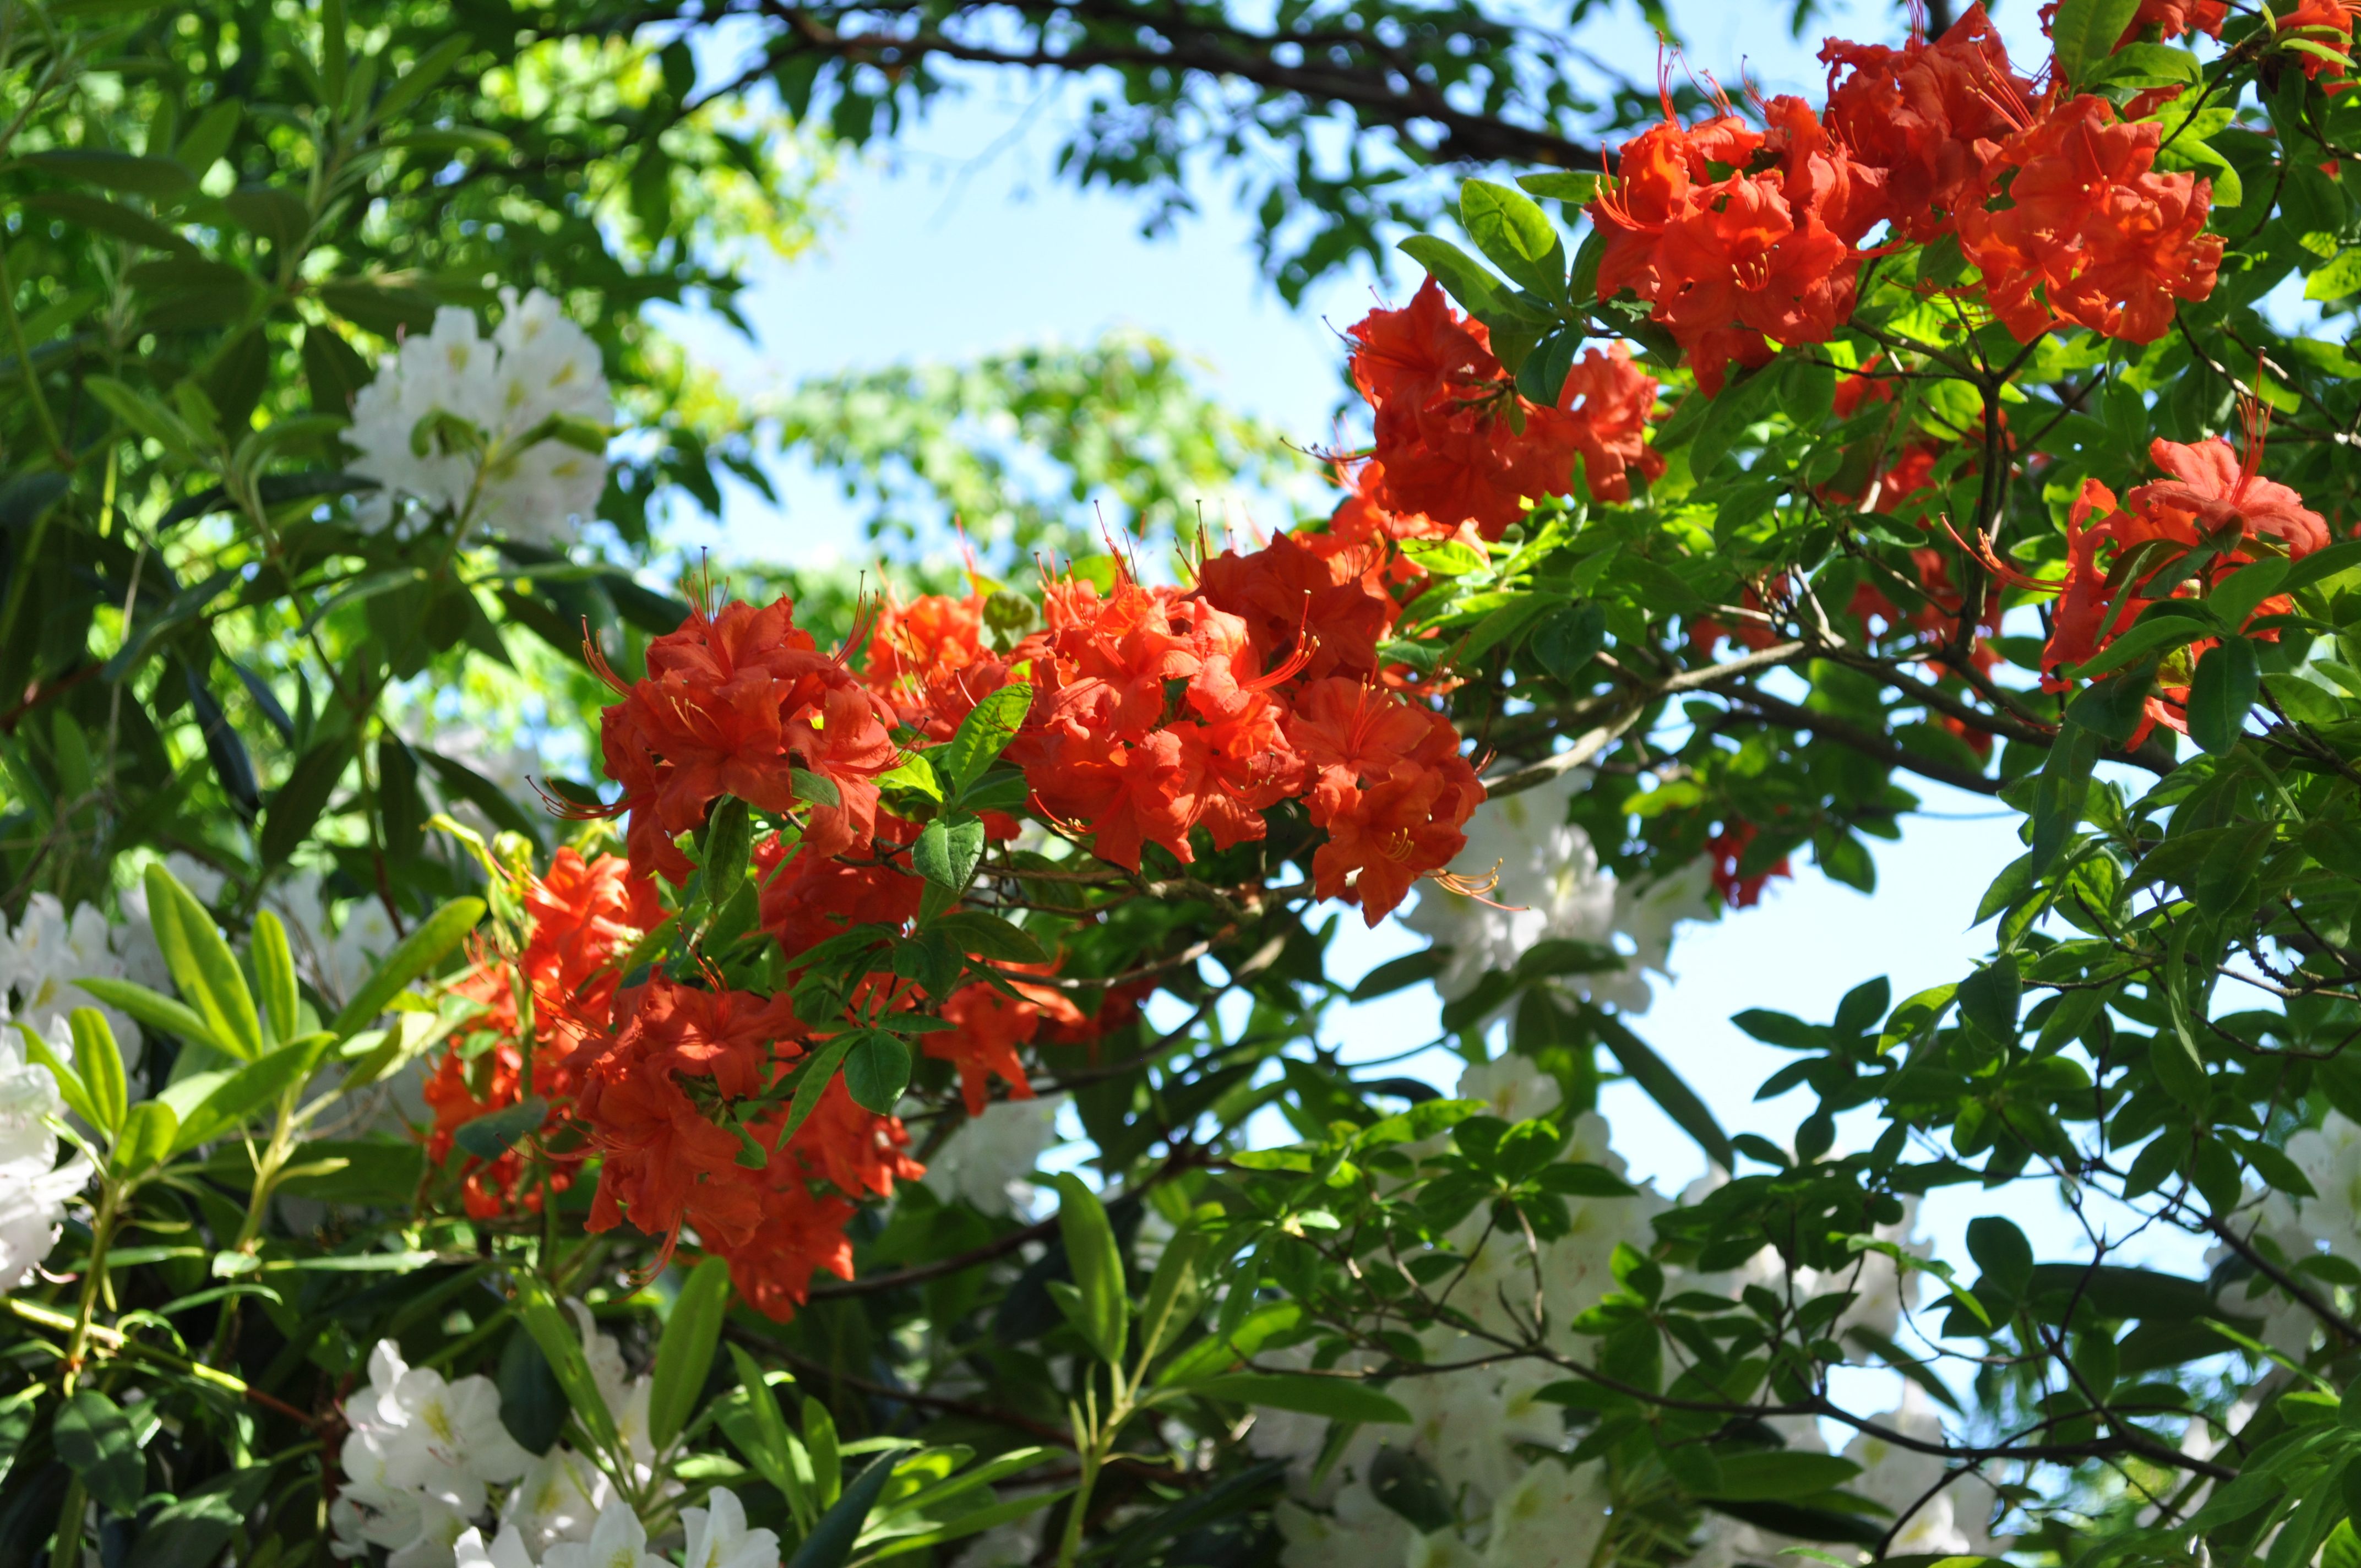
point(2215, 497)
point(678, 1104)
point(1155, 711)
point(1457, 445)
point(583, 915)
point(1159, 711)
point(1740, 239)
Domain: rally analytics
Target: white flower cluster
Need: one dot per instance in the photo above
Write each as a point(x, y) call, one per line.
point(420, 1464)
point(717, 1538)
point(534, 365)
point(426, 1457)
point(1477, 1430)
point(988, 1160)
point(43, 959)
point(33, 1187)
point(1550, 887)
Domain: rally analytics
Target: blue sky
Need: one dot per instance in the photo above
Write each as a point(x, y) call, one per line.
point(961, 242)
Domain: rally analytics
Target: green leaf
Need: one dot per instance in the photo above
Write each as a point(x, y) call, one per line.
point(988, 935)
point(295, 806)
point(832, 1540)
point(203, 966)
point(2147, 65)
point(422, 74)
point(1570, 638)
point(1218, 1352)
point(917, 775)
point(563, 1347)
point(729, 844)
point(947, 853)
point(533, 1405)
point(983, 736)
point(877, 1069)
point(1172, 1290)
point(1445, 557)
point(814, 789)
point(99, 215)
point(425, 947)
point(684, 1354)
point(1399, 974)
point(2237, 598)
point(1573, 190)
point(100, 1062)
point(146, 1141)
point(1514, 236)
point(159, 178)
point(149, 418)
point(2083, 34)
point(491, 1135)
point(1103, 1315)
point(274, 967)
point(1991, 997)
point(766, 1442)
point(814, 1083)
point(2001, 1250)
point(2151, 634)
point(1338, 1398)
point(94, 1437)
point(1461, 275)
point(155, 1011)
point(2222, 694)
point(1785, 1475)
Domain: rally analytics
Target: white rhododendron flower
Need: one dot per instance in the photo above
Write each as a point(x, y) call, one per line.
point(534, 365)
point(1552, 1518)
point(419, 1463)
point(50, 952)
point(985, 1163)
point(717, 1535)
point(558, 1499)
point(1550, 887)
point(33, 1187)
point(507, 1549)
point(1513, 1088)
point(617, 1540)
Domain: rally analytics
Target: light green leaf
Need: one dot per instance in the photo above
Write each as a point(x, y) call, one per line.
point(274, 967)
point(1103, 1306)
point(1514, 236)
point(101, 1061)
point(252, 1088)
point(420, 951)
point(146, 1141)
point(948, 852)
point(983, 736)
point(2083, 34)
point(1461, 275)
point(202, 967)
